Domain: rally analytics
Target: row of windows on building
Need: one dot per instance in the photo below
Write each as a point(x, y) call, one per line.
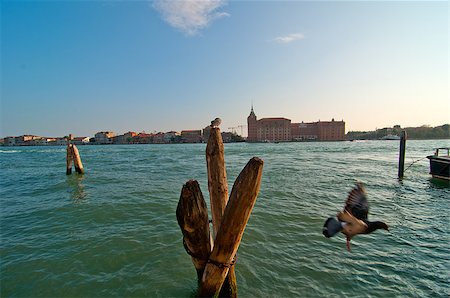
point(282, 129)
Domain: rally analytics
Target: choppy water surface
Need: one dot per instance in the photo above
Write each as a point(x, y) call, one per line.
point(113, 231)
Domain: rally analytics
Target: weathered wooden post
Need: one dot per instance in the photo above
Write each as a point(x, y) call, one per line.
point(401, 158)
point(192, 217)
point(217, 176)
point(237, 212)
point(218, 194)
point(72, 154)
point(77, 160)
point(69, 158)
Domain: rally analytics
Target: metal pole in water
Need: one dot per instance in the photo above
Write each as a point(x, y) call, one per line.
point(401, 158)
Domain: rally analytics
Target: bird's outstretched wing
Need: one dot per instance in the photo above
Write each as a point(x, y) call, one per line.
point(357, 203)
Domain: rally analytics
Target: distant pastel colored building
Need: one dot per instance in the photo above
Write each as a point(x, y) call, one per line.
point(80, 140)
point(143, 138)
point(104, 137)
point(126, 138)
point(61, 141)
point(43, 141)
point(227, 136)
point(158, 138)
point(171, 136)
point(191, 136)
point(9, 141)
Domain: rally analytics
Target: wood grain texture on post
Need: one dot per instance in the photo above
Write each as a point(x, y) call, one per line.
point(192, 217)
point(242, 199)
point(77, 160)
point(217, 176)
point(218, 195)
point(69, 158)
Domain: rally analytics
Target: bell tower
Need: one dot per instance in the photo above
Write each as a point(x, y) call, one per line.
point(252, 125)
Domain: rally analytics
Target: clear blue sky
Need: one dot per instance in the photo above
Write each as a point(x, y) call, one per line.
point(85, 66)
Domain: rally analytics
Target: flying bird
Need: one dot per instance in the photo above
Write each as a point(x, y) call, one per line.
point(353, 219)
point(216, 122)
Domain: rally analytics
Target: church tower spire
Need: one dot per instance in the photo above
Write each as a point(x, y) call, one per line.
point(252, 125)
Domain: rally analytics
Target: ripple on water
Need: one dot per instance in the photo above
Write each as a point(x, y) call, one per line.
point(113, 231)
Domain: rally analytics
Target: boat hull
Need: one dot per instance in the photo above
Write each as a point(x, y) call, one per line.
point(439, 167)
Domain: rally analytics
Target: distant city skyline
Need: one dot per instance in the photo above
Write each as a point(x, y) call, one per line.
point(86, 66)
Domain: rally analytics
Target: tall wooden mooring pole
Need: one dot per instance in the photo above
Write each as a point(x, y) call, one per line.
point(401, 157)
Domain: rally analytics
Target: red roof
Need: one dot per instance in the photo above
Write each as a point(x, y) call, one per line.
point(273, 119)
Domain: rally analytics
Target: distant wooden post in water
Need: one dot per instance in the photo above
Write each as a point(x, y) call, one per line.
point(77, 160)
point(401, 157)
point(72, 154)
point(69, 158)
point(215, 270)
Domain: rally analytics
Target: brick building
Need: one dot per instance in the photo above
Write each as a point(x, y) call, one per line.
point(282, 130)
point(318, 131)
point(331, 130)
point(274, 130)
point(268, 129)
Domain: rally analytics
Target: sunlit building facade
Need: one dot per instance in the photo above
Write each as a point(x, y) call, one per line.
point(282, 130)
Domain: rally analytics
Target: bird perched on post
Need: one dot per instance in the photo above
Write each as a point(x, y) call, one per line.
point(216, 122)
point(353, 219)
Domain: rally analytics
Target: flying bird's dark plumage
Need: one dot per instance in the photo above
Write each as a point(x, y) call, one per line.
point(357, 203)
point(353, 219)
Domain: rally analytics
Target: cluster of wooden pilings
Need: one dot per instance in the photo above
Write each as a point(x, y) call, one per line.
point(73, 156)
point(214, 255)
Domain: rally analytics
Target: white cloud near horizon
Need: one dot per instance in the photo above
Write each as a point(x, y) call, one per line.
point(190, 16)
point(289, 38)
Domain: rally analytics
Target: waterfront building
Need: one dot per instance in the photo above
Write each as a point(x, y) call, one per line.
point(268, 129)
point(331, 130)
point(171, 137)
point(282, 130)
point(274, 130)
point(9, 141)
point(104, 137)
point(42, 141)
point(61, 141)
point(191, 136)
point(206, 133)
point(26, 138)
point(143, 138)
point(227, 136)
point(158, 138)
point(80, 140)
point(126, 138)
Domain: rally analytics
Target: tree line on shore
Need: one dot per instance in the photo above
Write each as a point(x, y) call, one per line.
point(424, 132)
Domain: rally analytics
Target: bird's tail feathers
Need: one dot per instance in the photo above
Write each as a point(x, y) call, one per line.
point(331, 227)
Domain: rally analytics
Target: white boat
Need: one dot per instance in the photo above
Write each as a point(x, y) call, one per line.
point(390, 137)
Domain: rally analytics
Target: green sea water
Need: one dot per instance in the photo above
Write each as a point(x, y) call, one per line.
point(113, 231)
